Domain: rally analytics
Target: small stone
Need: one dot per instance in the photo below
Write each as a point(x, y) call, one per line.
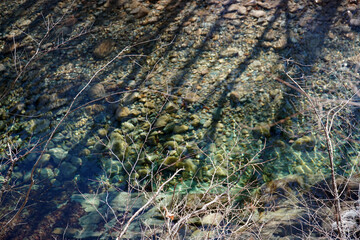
point(257, 13)
point(171, 107)
point(131, 98)
point(102, 132)
point(170, 160)
point(207, 123)
point(58, 154)
point(97, 91)
point(230, 52)
point(85, 152)
point(143, 172)
point(235, 96)
point(190, 165)
point(263, 129)
point(128, 126)
point(104, 48)
point(354, 22)
point(281, 43)
point(238, 8)
point(195, 120)
point(304, 143)
point(140, 12)
point(119, 147)
point(2, 68)
point(46, 173)
point(212, 219)
point(153, 140)
point(171, 145)
point(151, 157)
point(149, 105)
point(218, 171)
point(45, 158)
point(67, 169)
point(231, 16)
point(180, 129)
point(162, 121)
point(76, 161)
point(122, 113)
point(191, 97)
point(169, 127)
point(58, 231)
point(178, 138)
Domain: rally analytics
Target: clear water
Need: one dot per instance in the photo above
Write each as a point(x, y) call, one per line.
point(199, 86)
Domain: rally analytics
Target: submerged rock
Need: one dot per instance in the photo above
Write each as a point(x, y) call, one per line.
point(180, 129)
point(104, 48)
point(257, 13)
point(162, 121)
point(171, 107)
point(58, 154)
point(263, 129)
point(97, 91)
point(304, 143)
point(67, 169)
point(212, 219)
point(122, 113)
point(117, 144)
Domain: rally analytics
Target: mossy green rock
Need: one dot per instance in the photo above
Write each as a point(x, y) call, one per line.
point(190, 165)
point(171, 107)
point(304, 143)
point(178, 138)
point(122, 113)
point(171, 145)
point(162, 121)
point(180, 129)
point(263, 129)
point(170, 160)
point(117, 143)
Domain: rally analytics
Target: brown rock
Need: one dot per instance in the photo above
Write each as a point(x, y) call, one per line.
point(191, 97)
point(104, 48)
point(231, 16)
point(257, 13)
point(122, 113)
point(97, 91)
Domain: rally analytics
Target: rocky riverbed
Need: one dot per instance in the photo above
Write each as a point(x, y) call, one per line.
point(129, 91)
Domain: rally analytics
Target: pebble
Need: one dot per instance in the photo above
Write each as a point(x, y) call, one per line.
point(191, 97)
point(102, 132)
point(170, 160)
point(128, 126)
point(104, 48)
point(257, 13)
point(304, 143)
point(178, 138)
point(171, 145)
point(230, 52)
point(235, 96)
point(171, 107)
point(140, 12)
point(231, 16)
point(122, 113)
point(2, 68)
point(212, 219)
point(180, 129)
point(45, 158)
point(58, 154)
point(67, 170)
point(238, 8)
point(46, 173)
point(97, 91)
point(162, 121)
